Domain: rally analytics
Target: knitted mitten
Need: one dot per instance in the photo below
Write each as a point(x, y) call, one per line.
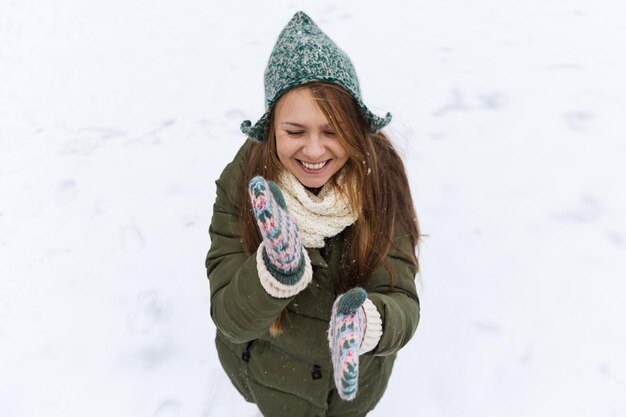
point(345, 334)
point(282, 248)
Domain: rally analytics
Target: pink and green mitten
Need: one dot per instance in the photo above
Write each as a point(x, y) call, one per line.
point(282, 251)
point(345, 335)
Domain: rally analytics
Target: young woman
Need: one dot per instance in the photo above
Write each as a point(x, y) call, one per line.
point(312, 262)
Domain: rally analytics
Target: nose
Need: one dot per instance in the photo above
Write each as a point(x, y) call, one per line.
point(313, 148)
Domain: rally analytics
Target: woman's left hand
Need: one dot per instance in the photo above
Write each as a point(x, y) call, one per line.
point(345, 335)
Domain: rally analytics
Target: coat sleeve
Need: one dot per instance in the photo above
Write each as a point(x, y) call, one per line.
point(241, 309)
point(399, 305)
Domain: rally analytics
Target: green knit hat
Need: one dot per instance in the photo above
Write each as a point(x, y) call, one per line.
point(304, 54)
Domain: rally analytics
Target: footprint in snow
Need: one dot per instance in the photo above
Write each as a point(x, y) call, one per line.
point(132, 239)
point(235, 114)
point(616, 238)
point(578, 120)
point(147, 312)
point(66, 192)
point(167, 409)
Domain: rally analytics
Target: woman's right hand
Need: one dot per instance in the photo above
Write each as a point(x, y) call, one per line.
point(282, 248)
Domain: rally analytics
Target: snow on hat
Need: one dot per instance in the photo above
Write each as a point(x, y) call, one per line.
point(304, 54)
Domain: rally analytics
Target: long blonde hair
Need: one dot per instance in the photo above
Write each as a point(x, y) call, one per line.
point(380, 191)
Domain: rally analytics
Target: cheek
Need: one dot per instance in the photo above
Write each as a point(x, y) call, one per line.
point(343, 161)
point(341, 153)
point(283, 150)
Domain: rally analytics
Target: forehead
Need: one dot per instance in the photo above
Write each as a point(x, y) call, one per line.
point(298, 103)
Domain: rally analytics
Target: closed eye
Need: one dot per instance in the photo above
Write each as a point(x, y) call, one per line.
point(294, 132)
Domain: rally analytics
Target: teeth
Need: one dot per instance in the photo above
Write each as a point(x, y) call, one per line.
point(317, 166)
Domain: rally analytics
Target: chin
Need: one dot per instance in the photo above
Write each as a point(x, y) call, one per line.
point(313, 183)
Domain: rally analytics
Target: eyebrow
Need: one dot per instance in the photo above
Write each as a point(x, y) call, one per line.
point(327, 125)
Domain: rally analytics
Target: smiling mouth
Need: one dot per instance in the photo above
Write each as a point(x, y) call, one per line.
point(318, 166)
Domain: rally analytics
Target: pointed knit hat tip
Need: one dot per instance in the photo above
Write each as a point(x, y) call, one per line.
point(300, 16)
point(304, 54)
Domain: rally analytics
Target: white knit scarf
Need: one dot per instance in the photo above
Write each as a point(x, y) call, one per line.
point(318, 216)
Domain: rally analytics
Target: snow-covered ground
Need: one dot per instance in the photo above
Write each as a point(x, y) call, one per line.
point(116, 117)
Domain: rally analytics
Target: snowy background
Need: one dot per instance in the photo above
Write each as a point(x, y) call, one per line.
point(116, 117)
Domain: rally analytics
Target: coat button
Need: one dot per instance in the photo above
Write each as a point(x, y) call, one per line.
point(317, 372)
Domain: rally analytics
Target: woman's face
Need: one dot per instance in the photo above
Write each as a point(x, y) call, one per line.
point(306, 143)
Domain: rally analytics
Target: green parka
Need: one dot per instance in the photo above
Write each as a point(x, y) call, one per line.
point(291, 374)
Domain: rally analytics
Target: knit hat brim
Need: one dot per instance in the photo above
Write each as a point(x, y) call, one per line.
point(258, 131)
